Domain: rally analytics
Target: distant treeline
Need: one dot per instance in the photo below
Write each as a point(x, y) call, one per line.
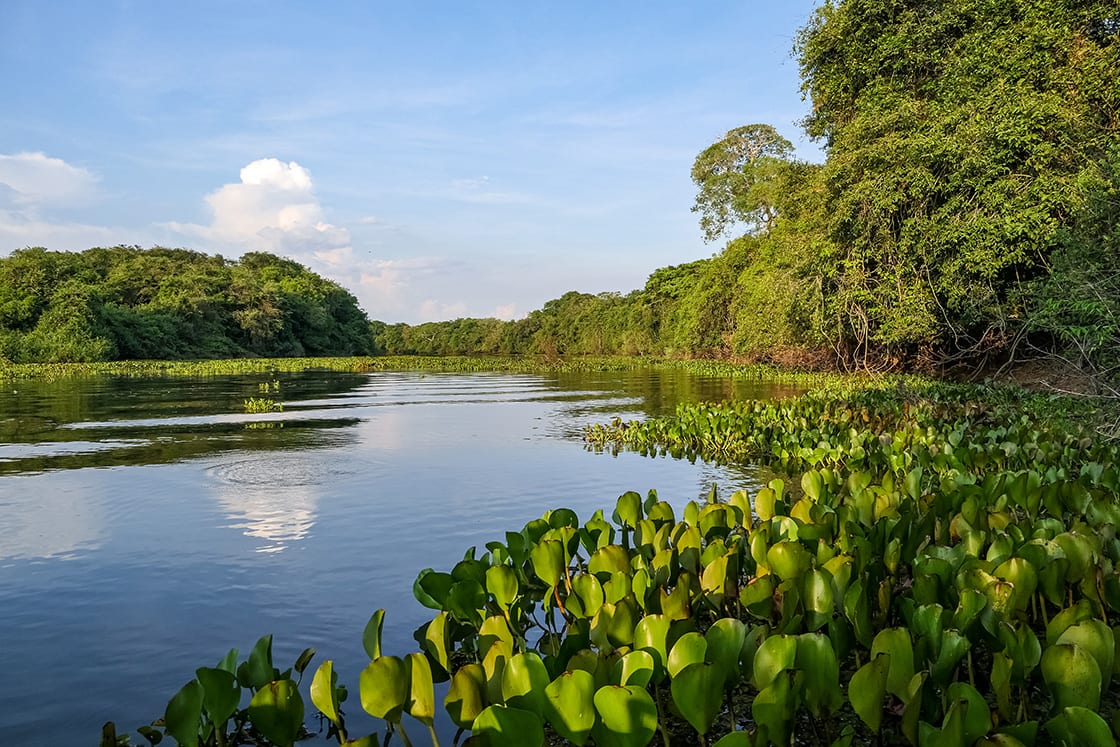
point(703, 308)
point(967, 211)
point(128, 303)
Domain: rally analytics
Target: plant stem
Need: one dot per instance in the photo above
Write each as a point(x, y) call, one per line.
point(435, 738)
point(404, 736)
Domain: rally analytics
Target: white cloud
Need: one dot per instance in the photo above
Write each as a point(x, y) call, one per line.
point(436, 311)
point(34, 180)
point(506, 312)
point(272, 208)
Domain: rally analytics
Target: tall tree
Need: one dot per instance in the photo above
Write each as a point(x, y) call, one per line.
point(956, 134)
point(739, 180)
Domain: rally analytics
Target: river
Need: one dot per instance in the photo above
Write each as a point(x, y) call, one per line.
point(149, 525)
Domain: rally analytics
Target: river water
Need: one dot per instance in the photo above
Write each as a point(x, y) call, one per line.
point(149, 525)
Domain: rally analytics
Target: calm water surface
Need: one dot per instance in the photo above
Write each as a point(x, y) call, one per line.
point(147, 526)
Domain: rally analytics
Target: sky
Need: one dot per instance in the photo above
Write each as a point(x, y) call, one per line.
point(438, 159)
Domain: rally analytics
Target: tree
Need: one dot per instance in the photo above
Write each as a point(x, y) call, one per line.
point(956, 135)
point(739, 179)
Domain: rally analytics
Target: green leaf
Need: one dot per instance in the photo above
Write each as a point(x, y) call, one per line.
point(773, 709)
point(1097, 639)
point(788, 559)
point(698, 694)
point(466, 697)
point(221, 694)
point(627, 716)
point(436, 641)
point(324, 691)
point(431, 588)
point(259, 669)
point(371, 635)
point(725, 640)
point(502, 726)
point(628, 509)
point(1072, 675)
point(384, 688)
point(690, 648)
point(867, 690)
point(548, 561)
point(634, 668)
point(524, 680)
point(501, 582)
point(422, 697)
point(896, 643)
point(1080, 727)
point(651, 635)
point(570, 705)
point(776, 654)
point(183, 716)
point(277, 712)
point(817, 660)
point(303, 660)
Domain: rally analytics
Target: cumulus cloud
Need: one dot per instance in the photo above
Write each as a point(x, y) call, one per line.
point(506, 312)
point(432, 310)
point(272, 208)
point(35, 192)
point(35, 180)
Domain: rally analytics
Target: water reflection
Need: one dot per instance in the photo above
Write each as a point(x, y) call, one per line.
point(60, 523)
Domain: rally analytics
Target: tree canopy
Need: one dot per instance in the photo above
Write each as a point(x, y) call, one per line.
point(132, 303)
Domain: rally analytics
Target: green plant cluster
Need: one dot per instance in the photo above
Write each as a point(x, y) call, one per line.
point(946, 574)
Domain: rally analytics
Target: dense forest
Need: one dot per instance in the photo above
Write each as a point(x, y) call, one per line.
point(967, 211)
point(131, 303)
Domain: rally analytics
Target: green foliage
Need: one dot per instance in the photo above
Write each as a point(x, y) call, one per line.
point(130, 303)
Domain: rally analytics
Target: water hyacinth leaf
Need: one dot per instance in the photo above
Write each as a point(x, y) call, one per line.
point(867, 690)
point(788, 559)
point(1080, 727)
point(698, 694)
point(466, 698)
point(773, 710)
point(628, 509)
point(303, 660)
point(734, 739)
point(651, 635)
point(548, 561)
point(633, 668)
point(1072, 675)
point(1097, 639)
point(758, 597)
point(563, 517)
point(1079, 612)
point(183, 714)
point(466, 600)
point(725, 639)
point(258, 668)
point(501, 582)
point(590, 592)
point(430, 590)
point(221, 694)
point(502, 726)
point(627, 716)
point(524, 680)
point(690, 648)
point(494, 664)
point(421, 697)
point(570, 705)
point(714, 582)
point(897, 644)
point(324, 691)
point(229, 662)
point(436, 641)
point(817, 596)
point(617, 587)
point(973, 711)
point(776, 654)
point(371, 635)
point(971, 604)
point(817, 660)
point(276, 710)
point(384, 688)
point(608, 560)
point(953, 648)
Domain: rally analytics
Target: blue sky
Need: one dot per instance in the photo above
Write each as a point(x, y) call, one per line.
point(439, 159)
